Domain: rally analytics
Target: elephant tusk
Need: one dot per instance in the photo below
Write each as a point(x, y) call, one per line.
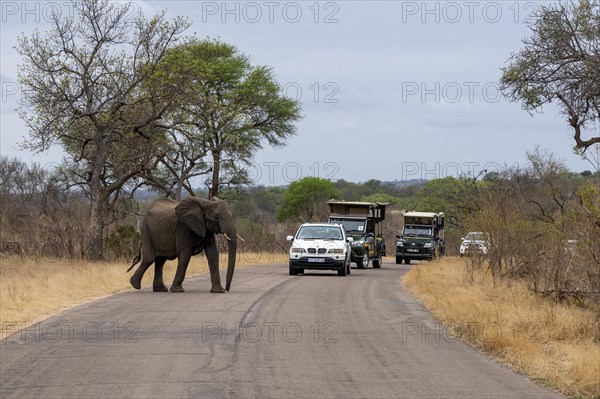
point(226, 236)
point(240, 238)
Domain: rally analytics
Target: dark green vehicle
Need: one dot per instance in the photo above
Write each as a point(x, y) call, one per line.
point(422, 237)
point(363, 221)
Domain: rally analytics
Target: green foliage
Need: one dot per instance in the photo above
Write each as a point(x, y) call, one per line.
point(306, 199)
point(455, 197)
point(589, 196)
point(124, 242)
point(257, 204)
point(351, 191)
point(232, 107)
point(492, 177)
point(268, 199)
point(437, 195)
point(381, 197)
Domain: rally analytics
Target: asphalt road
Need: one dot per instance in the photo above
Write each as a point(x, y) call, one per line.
point(273, 336)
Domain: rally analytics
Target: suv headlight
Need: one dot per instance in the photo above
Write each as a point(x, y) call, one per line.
point(297, 250)
point(428, 245)
point(357, 243)
point(336, 251)
point(399, 243)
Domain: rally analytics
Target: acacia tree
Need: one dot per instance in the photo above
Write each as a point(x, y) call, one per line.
point(87, 85)
point(231, 108)
point(306, 200)
point(559, 63)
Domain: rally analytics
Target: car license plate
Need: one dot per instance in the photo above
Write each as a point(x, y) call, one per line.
point(412, 250)
point(316, 260)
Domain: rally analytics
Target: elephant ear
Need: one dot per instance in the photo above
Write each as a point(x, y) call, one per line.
point(190, 213)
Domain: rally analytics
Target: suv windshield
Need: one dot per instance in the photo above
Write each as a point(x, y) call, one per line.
point(320, 233)
point(417, 231)
point(475, 237)
point(351, 226)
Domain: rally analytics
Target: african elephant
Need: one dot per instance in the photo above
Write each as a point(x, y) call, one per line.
point(174, 229)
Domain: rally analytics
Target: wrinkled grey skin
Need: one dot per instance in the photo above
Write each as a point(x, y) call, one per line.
point(180, 230)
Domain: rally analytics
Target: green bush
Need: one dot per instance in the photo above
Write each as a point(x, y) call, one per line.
point(124, 242)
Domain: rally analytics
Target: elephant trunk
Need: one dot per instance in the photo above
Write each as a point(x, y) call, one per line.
point(231, 260)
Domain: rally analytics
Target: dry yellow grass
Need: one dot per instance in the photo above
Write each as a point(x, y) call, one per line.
point(31, 289)
point(552, 343)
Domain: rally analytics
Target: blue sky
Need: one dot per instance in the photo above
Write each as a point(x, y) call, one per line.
point(389, 89)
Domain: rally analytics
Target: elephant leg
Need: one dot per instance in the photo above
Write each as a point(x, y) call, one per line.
point(212, 255)
point(136, 279)
point(182, 264)
point(158, 285)
point(148, 257)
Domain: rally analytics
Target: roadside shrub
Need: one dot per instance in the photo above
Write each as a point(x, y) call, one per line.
point(39, 218)
point(124, 242)
point(544, 229)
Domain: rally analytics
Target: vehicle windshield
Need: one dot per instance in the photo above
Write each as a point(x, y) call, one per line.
point(351, 226)
point(475, 237)
point(320, 233)
point(417, 231)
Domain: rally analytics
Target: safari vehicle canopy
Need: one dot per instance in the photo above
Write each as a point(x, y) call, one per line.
point(363, 221)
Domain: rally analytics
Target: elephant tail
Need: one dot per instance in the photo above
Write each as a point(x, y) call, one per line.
point(136, 260)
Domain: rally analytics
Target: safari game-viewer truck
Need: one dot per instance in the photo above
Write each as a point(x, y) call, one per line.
point(422, 237)
point(363, 221)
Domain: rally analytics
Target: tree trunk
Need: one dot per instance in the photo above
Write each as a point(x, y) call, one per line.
point(95, 242)
point(98, 198)
point(214, 190)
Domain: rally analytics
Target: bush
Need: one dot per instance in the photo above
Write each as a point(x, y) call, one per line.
point(545, 230)
point(124, 242)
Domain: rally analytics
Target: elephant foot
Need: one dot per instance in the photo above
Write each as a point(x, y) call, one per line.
point(160, 288)
point(217, 289)
point(136, 282)
point(177, 288)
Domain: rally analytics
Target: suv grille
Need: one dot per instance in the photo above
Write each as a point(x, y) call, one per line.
point(314, 250)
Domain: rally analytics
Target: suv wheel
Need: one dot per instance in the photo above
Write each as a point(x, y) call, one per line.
point(407, 261)
point(343, 271)
point(398, 260)
point(377, 262)
point(348, 266)
point(364, 262)
point(293, 272)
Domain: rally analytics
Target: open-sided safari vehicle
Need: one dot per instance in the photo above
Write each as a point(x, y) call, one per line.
point(422, 237)
point(363, 221)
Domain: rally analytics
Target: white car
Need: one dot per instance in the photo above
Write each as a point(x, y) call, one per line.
point(321, 246)
point(475, 242)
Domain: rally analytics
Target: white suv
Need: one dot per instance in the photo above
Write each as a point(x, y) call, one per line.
point(476, 242)
point(322, 246)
